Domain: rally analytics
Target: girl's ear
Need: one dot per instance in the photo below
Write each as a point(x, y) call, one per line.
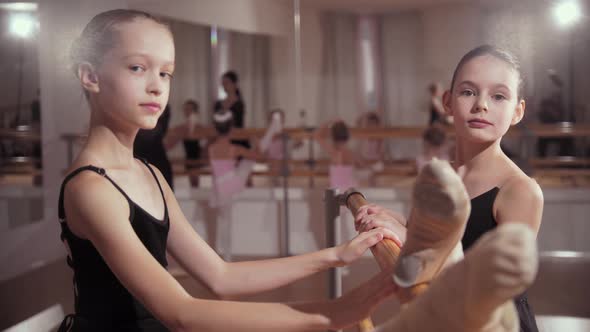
point(88, 77)
point(518, 112)
point(447, 102)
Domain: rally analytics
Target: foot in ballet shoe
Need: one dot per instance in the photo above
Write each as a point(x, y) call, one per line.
point(475, 294)
point(501, 265)
point(437, 221)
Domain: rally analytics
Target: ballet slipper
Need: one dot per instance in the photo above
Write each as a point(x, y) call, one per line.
point(476, 294)
point(437, 221)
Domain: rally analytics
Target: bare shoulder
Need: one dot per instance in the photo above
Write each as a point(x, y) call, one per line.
point(520, 199)
point(90, 201)
point(522, 187)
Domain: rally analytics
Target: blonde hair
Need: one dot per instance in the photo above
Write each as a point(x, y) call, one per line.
point(99, 35)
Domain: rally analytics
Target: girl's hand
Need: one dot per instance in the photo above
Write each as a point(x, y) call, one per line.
point(373, 216)
point(355, 248)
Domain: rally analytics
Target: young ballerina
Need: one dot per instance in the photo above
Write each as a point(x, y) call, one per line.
point(434, 145)
point(231, 165)
point(119, 218)
point(370, 150)
point(342, 160)
point(183, 132)
point(274, 143)
point(485, 99)
point(233, 102)
point(436, 109)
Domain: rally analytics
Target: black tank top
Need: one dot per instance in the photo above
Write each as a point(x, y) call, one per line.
point(102, 303)
point(481, 220)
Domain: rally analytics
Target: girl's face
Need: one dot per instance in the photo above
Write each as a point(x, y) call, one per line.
point(188, 109)
point(484, 100)
point(133, 80)
point(228, 85)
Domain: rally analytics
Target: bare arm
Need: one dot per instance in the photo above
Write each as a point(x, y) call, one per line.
point(229, 280)
point(251, 154)
point(111, 233)
point(320, 135)
point(520, 200)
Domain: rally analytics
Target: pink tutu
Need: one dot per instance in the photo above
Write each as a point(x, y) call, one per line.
point(228, 180)
point(342, 177)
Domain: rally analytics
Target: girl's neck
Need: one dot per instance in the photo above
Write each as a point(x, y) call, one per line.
point(109, 145)
point(472, 157)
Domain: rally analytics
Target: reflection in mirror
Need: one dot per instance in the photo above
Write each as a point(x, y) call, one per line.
point(21, 200)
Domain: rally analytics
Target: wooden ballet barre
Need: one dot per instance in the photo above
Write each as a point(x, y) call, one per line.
point(538, 130)
point(560, 162)
point(550, 130)
point(324, 162)
point(293, 173)
point(415, 132)
point(562, 172)
point(32, 135)
point(386, 172)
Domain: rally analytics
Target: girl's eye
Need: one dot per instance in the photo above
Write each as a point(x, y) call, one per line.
point(166, 75)
point(467, 93)
point(498, 97)
point(136, 68)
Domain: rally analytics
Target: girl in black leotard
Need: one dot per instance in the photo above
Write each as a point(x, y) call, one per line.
point(233, 102)
point(480, 221)
point(120, 218)
point(183, 132)
point(485, 99)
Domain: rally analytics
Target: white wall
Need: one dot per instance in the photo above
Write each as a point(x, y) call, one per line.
point(63, 111)
point(449, 32)
point(283, 83)
point(63, 106)
point(253, 16)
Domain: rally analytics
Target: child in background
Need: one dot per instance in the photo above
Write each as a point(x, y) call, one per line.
point(434, 145)
point(436, 109)
point(371, 150)
point(183, 132)
point(342, 159)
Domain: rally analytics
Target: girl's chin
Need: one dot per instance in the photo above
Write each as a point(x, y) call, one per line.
point(148, 124)
point(479, 137)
